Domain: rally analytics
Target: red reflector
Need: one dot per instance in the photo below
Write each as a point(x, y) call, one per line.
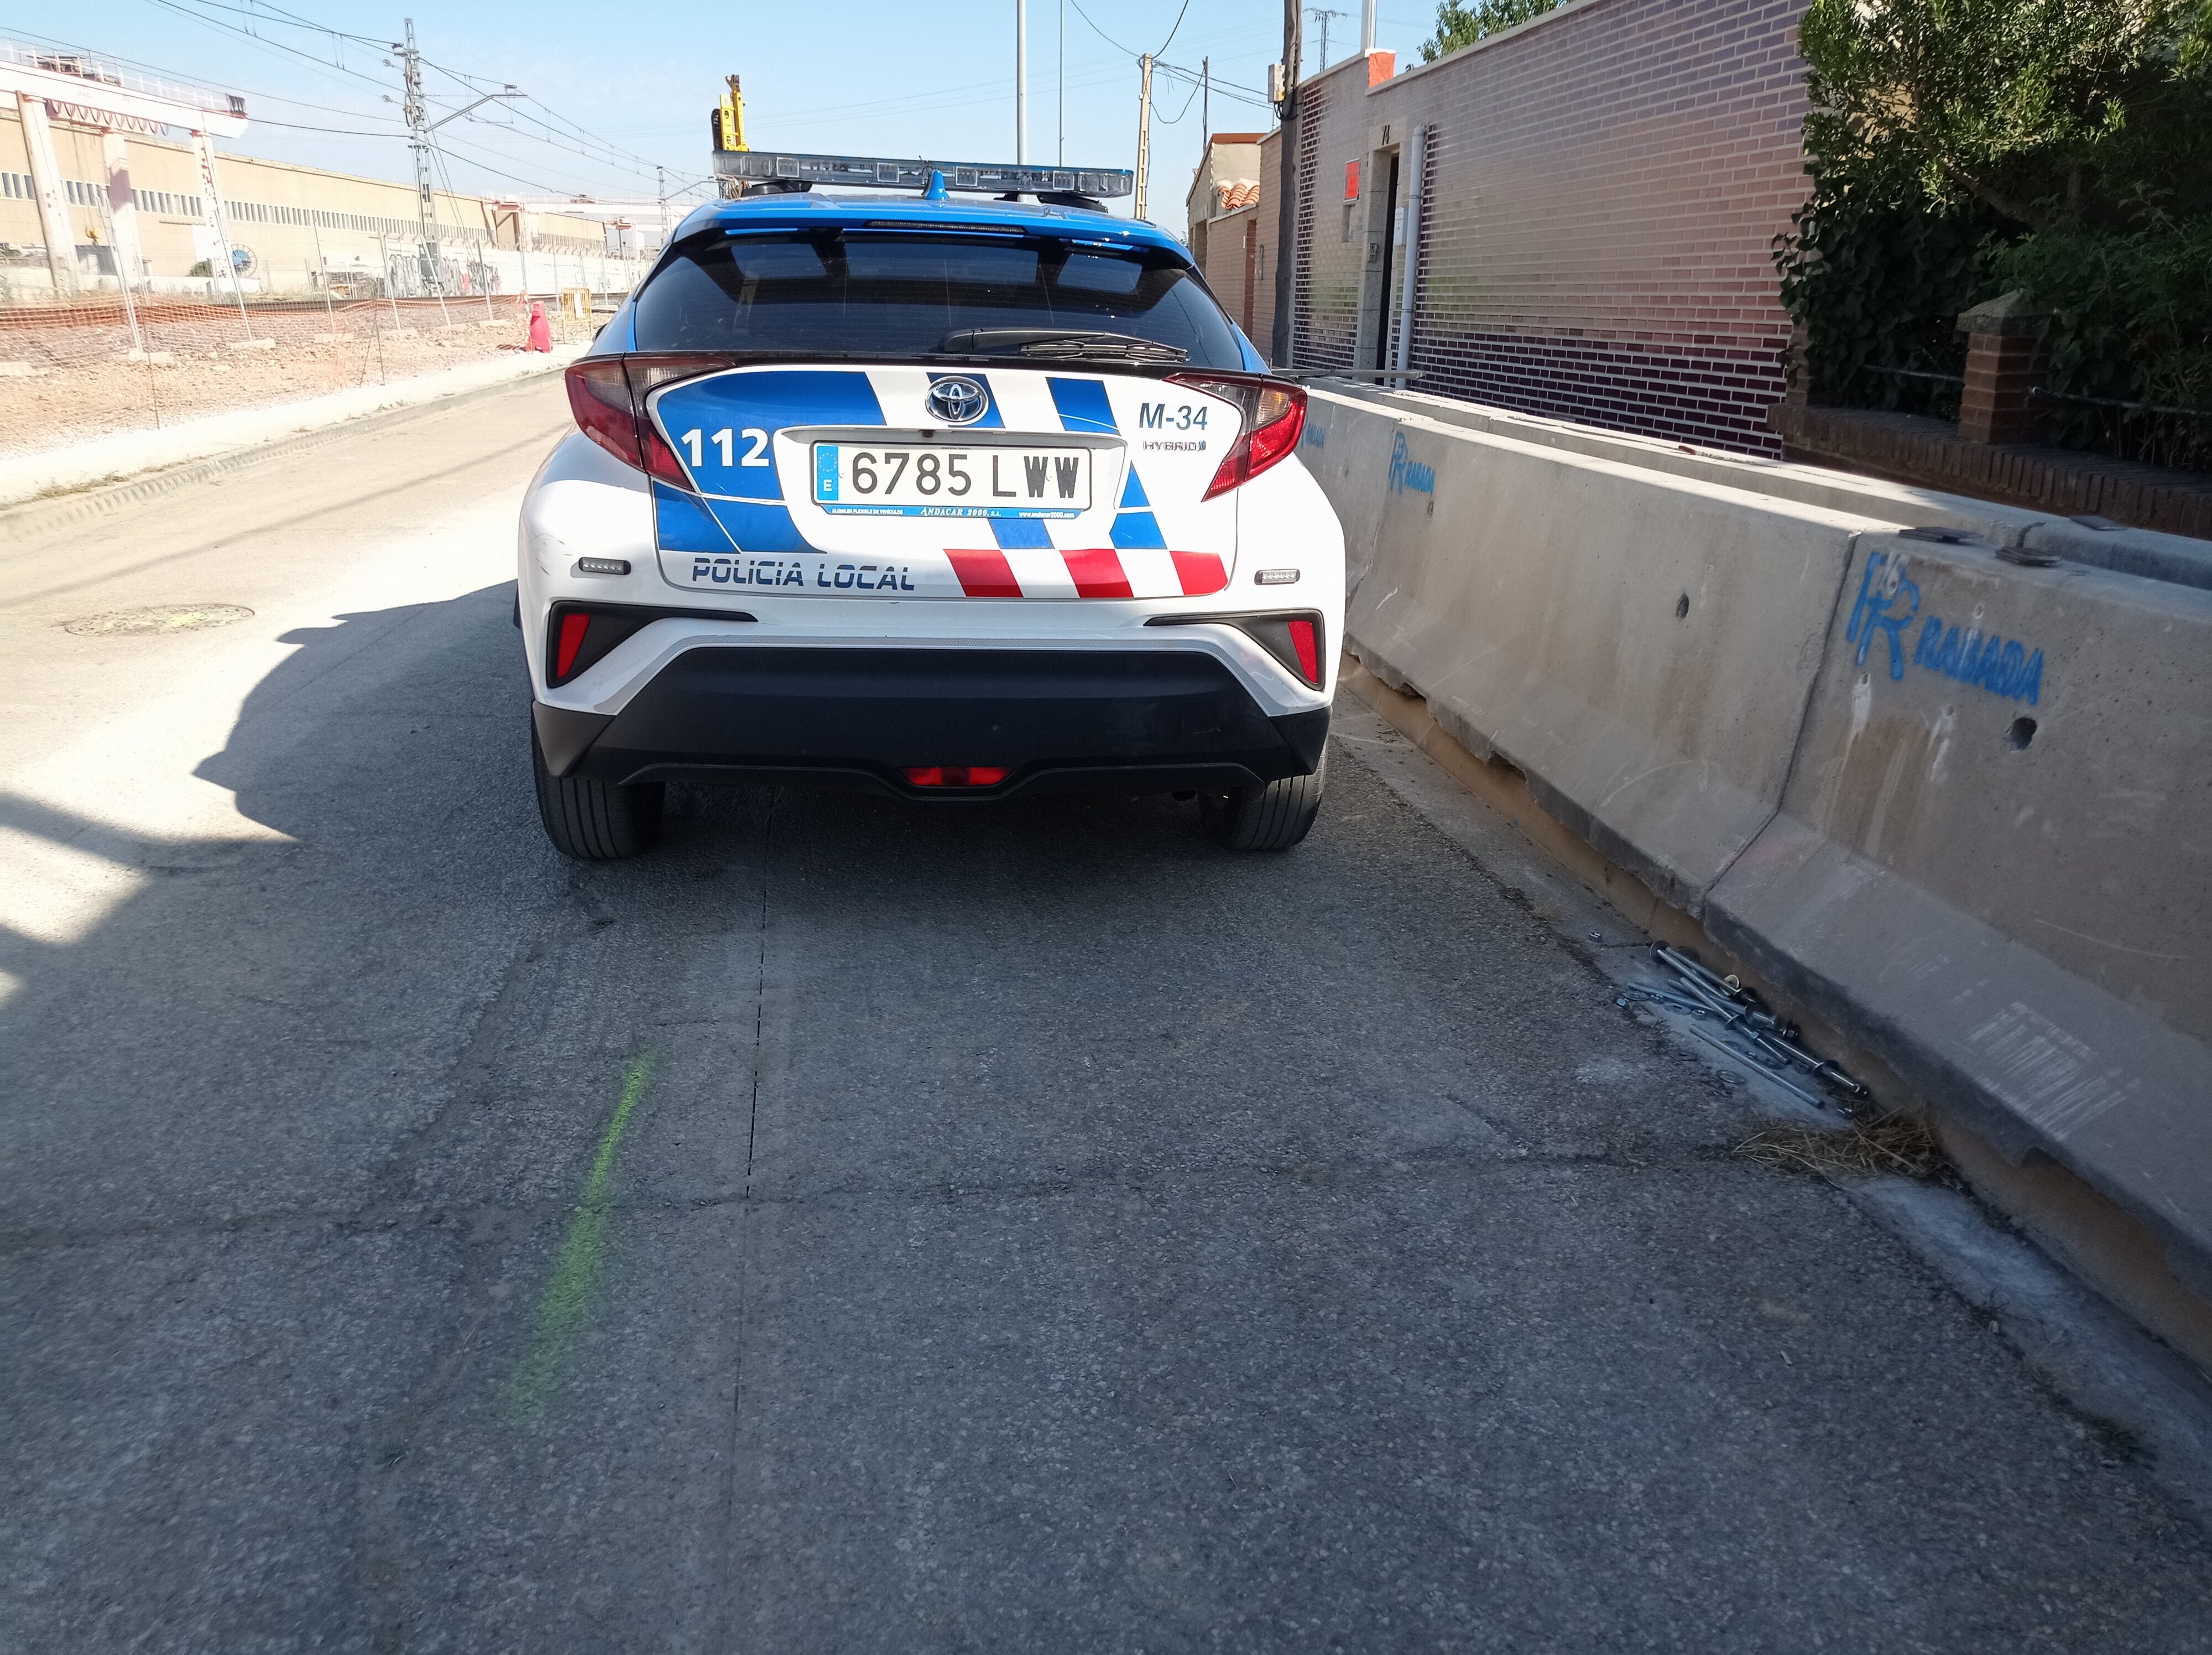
point(1302, 640)
point(957, 775)
point(572, 639)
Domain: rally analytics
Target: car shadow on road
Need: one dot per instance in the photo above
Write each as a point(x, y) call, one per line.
point(296, 1117)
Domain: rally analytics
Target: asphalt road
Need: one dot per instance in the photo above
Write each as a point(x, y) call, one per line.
point(861, 1228)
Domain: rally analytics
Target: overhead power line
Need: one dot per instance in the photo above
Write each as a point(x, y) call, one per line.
point(554, 129)
point(334, 131)
point(1221, 89)
point(262, 39)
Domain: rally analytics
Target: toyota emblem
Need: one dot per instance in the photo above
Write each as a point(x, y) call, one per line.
point(958, 400)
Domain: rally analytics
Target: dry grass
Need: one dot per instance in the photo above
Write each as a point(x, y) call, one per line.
point(1895, 1144)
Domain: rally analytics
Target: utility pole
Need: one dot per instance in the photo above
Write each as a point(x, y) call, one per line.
point(1061, 159)
point(1367, 26)
point(1287, 216)
point(1324, 16)
point(212, 197)
point(660, 186)
point(419, 140)
point(1206, 102)
point(1021, 82)
point(330, 311)
point(1145, 129)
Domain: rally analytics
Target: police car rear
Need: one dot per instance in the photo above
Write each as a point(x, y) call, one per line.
point(950, 500)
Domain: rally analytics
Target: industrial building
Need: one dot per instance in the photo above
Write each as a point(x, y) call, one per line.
point(130, 195)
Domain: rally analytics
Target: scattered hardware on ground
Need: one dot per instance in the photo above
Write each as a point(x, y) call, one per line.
point(1749, 1031)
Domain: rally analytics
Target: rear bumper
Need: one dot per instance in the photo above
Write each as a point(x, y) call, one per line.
point(1123, 720)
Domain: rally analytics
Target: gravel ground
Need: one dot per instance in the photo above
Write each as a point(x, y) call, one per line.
point(61, 384)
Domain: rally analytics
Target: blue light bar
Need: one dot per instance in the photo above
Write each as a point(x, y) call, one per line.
point(873, 172)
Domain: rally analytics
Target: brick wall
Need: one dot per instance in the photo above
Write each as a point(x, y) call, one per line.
point(1236, 250)
point(1603, 188)
point(1231, 262)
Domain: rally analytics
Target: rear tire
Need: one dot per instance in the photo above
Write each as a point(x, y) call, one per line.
point(596, 821)
point(1271, 818)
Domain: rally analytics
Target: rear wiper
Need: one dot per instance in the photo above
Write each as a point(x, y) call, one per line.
point(1060, 344)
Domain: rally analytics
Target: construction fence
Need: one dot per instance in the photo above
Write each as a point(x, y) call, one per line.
point(113, 363)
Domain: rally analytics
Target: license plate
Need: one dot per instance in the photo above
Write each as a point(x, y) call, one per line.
point(934, 479)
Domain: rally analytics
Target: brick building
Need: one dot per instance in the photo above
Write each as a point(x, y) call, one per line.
point(1601, 189)
point(1223, 210)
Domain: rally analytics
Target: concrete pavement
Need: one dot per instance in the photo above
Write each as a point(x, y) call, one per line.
point(863, 1227)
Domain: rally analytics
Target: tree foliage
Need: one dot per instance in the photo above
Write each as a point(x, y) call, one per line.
point(1459, 24)
point(1878, 271)
point(2055, 113)
point(2130, 321)
point(1960, 149)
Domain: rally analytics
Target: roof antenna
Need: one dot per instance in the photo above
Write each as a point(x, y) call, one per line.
point(936, 190)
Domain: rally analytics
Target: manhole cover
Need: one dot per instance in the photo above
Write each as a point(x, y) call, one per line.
point(162, 617)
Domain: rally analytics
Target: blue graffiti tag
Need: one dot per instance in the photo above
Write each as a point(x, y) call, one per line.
point(1315, 436)
point(1871, 614)
point(2001, 666)
point(1407, 472)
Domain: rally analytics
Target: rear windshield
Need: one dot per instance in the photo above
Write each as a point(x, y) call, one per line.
point(854, 293)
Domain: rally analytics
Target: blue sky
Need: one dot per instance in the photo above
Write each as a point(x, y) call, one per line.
point(618, 87)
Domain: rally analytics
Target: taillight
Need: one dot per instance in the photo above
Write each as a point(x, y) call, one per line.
point(598, 396)
point(1275, 417)
point(607, 396)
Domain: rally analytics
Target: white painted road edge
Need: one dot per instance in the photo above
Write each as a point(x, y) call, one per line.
point(127, 453)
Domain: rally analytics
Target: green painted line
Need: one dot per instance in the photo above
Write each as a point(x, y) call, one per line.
point(575, 1272)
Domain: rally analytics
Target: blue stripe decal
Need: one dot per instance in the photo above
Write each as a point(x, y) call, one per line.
point(1082, 406)
point(1138, 531)
point(680, 523)
point(990, 422)
point(1021, 534)
point(758, 528)
point(767, 401)
point(1132, 493)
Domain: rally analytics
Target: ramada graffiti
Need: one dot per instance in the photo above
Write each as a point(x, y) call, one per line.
point(1889, 604)
point(1407, 472)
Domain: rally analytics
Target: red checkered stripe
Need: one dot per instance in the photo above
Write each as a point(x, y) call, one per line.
point(1095, 572)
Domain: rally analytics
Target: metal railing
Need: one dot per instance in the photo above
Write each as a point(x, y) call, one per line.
point(85, 67)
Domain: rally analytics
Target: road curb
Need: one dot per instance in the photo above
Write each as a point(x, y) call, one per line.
point(27, 519)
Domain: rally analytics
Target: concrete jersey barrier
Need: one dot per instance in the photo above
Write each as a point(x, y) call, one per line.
point(1961, 807)
point(1642, 648)
point(1992, 865)
point(2095, 542)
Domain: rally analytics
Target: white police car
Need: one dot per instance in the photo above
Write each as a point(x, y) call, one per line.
point(947, 499)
